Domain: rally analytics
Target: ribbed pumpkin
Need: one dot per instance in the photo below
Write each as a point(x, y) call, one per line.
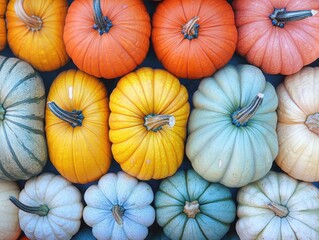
point(107, 38)
point(149, 112)
point(271, 37)
point(77, 126)
point(35, 29)
point(23, 149)
point(3, 30)
point(193, 39)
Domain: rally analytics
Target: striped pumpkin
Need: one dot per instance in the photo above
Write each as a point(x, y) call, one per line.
point(22, 102)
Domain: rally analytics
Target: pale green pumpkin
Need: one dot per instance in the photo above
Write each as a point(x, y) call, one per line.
point(227, 146)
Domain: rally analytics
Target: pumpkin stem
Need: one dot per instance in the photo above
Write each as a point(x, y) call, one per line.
point(118, 213)
point(155, 122)
point(279, 210)
point(2, 112)
point(280, 16)
point(190, 29)
point(312, 123)
point(102, 23)
point(33, 23)
point(74, 118)
point(242, 116)
point(191, 209)
point(41, 210)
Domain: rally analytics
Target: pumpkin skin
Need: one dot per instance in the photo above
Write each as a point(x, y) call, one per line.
point(119, 207)
point(40, 45)
point(3, 30)
point(138, 96)
point(274, 49)
point(298, 126)
point(278, 207)
point(189, 207)
point(22, 102)
point(220, 148)
point(81, 153)
point(202, 55)
point(50, 207)
point(117, 50)
point(9, 226)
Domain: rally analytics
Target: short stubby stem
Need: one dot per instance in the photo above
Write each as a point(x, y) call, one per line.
point(41, 210)
point(74, 118)
point(242, 116)
point(118, 212)
point(279, 210)
point(155, 122)
point(190, 29)
point(33, 23)
point(281, 16)
point(102, 23)
point(191, 209)
point(312, 123)
point(2, 112)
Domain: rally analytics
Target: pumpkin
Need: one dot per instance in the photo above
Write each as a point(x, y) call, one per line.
point(77, 126)
point(192, 39)
point(232, 127)
point(298, 125)
point(118, 207)
point(107, 38)
point(9, 225)
point(149, 113)
point(3, 30)
point(50, 207)
point(278, 36)
point(278, 207)
point(35, 29)
point(22, 102)
point(189, 207)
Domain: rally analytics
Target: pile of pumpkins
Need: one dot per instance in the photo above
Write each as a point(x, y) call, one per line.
point(122, 118)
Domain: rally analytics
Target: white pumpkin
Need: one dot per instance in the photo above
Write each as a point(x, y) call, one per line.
point(50, 207)
point(118, 207)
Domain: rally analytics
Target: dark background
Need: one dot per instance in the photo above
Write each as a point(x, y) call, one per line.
point(150, 61)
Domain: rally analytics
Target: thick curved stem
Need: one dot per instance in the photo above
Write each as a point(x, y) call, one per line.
point(33, 23)
point(190, 29)
point(102, 23)
point(41, 210)
point(312, 123)
point(280, 16)
point(74, 118)
point(279, 210)
point(118, 213)
point(155, 122)
point(2, 112)
point(191, 209)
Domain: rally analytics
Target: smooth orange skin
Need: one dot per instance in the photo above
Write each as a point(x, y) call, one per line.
point(43, 49)
point(3, 30)
point(81, 154)
point(144, 153)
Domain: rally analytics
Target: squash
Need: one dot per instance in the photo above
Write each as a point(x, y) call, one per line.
point(3, 30)
point(9, 224)
point(192, 39)
point(232, 127)
point(149, 113)
point(298, 125)
point(22, 102)
point(278, 36)
point(278, 207)
point(107, 38)
point(189, 207)
point(50, 207)
point(35, 29)
point(119, 207)
point(77, 126)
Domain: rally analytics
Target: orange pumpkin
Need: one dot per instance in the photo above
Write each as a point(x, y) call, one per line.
point(109, 38)
point(77, 127)
point(149, 113)
point(35, 29)
point(3, 30)
point(193, 39)
point(278, 36)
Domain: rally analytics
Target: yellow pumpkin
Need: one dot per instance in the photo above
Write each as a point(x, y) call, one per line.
point(77, 126)
point(149, 113)
point(35, 32)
